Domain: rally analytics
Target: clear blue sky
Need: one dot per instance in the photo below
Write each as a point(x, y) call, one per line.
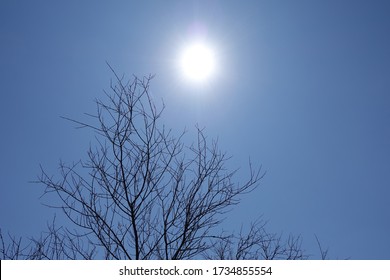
point(303, 88)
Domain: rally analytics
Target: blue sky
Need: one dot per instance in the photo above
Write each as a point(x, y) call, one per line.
point(302, 89)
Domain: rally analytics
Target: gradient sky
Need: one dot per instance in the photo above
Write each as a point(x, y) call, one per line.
point(302, 89)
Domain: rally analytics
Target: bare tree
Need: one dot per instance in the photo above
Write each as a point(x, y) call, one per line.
point(143, 194)
point(258, 243)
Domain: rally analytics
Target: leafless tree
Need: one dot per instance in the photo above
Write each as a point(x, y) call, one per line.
point(143, 193)
point(258, 243)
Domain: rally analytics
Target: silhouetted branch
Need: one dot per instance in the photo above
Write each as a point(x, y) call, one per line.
point(324, 252)
point(143, 193)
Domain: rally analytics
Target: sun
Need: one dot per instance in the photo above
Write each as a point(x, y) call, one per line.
point(197, 62)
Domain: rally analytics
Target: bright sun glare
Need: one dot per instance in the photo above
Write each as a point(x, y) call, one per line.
point(198, 62)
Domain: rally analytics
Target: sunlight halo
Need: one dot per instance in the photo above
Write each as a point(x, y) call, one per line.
point(197, 62)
